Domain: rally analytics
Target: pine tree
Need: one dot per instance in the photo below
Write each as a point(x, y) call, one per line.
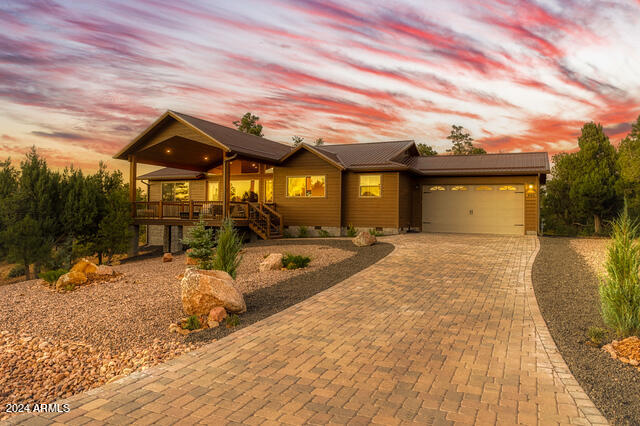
point(201, 243)
point(249, 124)
point(629, 163)
point(297, 140)
point(426, 150)
point(229, 244)
point(462, 142)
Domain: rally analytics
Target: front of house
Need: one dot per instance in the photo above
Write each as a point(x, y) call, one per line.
point(212, 171)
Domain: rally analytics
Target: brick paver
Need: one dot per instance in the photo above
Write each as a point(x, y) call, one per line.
point(444, 330)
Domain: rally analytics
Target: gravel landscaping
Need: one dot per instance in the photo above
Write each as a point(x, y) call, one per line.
point(565, 280)
point(54, 344)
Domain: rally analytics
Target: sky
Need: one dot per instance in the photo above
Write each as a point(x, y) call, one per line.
point(79, 80)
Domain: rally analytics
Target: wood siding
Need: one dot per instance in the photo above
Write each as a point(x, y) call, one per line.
point(370, 212)
point(531, 210)
point(197, 190)
point(408, 202)
point(310, 211)
point(171, 129)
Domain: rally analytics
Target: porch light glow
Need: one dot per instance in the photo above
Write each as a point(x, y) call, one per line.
point(168, 150)
point(206, 157)
point(530, 186)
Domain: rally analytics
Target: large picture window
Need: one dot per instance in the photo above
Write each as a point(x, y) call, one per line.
point(175, 191)
point(370, 185)
point(244, 190)
point(306, 186)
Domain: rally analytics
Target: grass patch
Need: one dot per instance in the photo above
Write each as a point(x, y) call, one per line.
point(295, 261)
point(324, 233)
point(351, 231)
point(193, 323)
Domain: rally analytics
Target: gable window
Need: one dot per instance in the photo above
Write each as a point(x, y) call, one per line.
point(306, 186)
point(370, 185)
point(213, 191)
point(459, 188)
point(175, 191)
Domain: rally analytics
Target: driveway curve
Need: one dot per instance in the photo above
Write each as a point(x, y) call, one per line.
point(444, 330)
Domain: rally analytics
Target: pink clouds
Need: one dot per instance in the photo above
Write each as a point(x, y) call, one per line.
point(519, 74)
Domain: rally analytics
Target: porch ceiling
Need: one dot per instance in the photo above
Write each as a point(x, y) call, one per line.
point(181, 153)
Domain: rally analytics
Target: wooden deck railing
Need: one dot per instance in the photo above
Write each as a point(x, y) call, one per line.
point(188, 210)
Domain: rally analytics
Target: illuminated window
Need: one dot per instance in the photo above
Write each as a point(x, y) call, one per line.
point(306, 186)
point(484, 188)
point(268, 191)
point(370, 185)
point(437, 188)
point(213, 191)
point(244, 190)
point(175, 191)
point(459, 188)
point(507, 188)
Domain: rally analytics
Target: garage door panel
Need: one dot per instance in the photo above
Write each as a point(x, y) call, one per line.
point(485, 210)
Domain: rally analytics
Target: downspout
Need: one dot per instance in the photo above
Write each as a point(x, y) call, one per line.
point(148, 184)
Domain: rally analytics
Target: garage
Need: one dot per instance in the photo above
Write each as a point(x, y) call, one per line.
point(481, 209)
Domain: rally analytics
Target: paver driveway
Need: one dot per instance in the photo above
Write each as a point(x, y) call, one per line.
point(445, 329)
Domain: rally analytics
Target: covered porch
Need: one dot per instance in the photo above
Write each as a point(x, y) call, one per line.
point(182, 142)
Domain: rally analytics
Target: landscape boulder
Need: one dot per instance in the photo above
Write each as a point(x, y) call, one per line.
point(70, 279)
point(167, 258)
point(190, 260)
point(364, 239)
point(273, 262)
point(105, 270)
point(203, 290)
point(85, 266)
point(217, 314)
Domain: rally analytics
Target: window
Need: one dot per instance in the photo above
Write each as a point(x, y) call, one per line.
point(507, 188)
point(268, 191)
point(213, 191)
point(459, 188)
point(370, 185)
point(484, 188)
point(244, 190)
point(436, 188)
point(306, 186)
point(175, 191)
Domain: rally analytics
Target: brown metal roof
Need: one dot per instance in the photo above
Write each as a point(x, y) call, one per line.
point(483, 164)
point(240, 142)
point(168, 173)
point(378, 154)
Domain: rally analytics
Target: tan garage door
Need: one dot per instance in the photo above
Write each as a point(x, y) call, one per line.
point(483, 209)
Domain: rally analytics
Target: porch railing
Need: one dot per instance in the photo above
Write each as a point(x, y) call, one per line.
point(188, 210)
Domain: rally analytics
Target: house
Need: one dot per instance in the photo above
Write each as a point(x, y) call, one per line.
point(212, 171)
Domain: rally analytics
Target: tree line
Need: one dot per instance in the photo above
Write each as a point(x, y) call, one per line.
point(48, 218)
point(593, 185)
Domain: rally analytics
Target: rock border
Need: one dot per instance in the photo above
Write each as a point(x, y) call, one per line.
point(560, 369)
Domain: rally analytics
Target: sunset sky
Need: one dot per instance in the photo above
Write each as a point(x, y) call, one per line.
point(80, 79)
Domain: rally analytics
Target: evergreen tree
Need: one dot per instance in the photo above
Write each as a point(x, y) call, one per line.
point(8, 188)
point(318, 142)
point(201, 243)
point(629, 164)
point(462, 142)
point(297, 140)
point(426, 150)
point(593, 188)
point(249, 124)
point(229, 244)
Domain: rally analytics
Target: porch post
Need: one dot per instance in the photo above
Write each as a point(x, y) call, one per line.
point(226, 183)
point(133, 166)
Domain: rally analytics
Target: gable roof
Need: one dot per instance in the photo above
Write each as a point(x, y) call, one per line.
point(222, 137)
point(371, 154)
point(481, 164)
point(327, 156)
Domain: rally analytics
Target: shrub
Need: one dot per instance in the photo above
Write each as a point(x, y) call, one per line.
point(294, 261)
point(286, 234)
point(351, 231)
point(620, 287)
point(303, 232)
point(17, 271)
point(193, 323)
point(375, 233)
point(201, 243)
point(227, 256)
point(232, 321)
point(53, 275)
point(596, 335)
point(324, 233)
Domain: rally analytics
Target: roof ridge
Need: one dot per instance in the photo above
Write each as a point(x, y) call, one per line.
point(368, 143)
point(488, 153)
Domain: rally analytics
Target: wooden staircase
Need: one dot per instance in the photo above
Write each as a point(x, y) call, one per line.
point(265, 221)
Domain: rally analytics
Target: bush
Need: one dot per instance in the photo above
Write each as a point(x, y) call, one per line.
point(620, 287)
point(303, 232)
point(52, 276)
point(596, 335)
point(193, 323)
point(227, 256)
point(324, 233)
point(294, 261)
point(16, 271)
point(375, 233)
point(232, 321)
point(202, 245)
point(351, 231)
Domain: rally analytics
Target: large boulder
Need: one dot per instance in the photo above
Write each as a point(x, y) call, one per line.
point(204, 290)
point(271, 262)
point(85, 266)
point(364, 239)
point(70, 280)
